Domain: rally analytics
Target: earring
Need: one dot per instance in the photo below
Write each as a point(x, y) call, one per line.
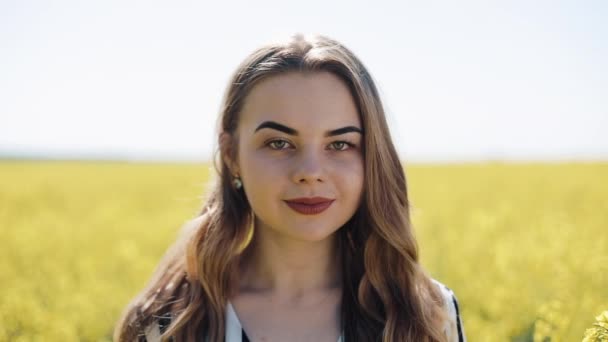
point(237, 182)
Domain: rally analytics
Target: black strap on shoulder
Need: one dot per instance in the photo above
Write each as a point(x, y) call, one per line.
point(164, 322)
point(458, 321)
point(244, 336)
point(460, 335)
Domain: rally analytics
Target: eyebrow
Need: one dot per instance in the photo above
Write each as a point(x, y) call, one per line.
point(288, 130)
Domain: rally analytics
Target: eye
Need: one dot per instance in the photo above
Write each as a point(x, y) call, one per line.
point(341, 145)
point(277, 144)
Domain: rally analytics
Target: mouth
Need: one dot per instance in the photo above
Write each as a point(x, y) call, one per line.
point(309, 206)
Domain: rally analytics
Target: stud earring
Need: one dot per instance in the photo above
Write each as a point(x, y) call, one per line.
point(237, 183)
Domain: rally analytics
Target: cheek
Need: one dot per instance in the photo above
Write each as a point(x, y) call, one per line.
point(260, 167)
point(350, 177)
point(261, 176)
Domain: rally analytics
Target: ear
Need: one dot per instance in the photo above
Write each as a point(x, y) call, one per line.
point(226, 144)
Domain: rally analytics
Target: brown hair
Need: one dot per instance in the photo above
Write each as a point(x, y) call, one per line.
point(387, 296)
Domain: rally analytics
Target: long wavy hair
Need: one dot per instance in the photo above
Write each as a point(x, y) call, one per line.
point(386, 295)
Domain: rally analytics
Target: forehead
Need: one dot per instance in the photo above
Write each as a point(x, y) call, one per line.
point(309, 102)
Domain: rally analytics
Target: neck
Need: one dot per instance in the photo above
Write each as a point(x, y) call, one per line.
point(288, 268)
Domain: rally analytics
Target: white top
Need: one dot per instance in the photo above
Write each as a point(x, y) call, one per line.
point(453, 327)
point(234, 331)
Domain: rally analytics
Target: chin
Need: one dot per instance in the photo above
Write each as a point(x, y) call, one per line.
point(313, 235)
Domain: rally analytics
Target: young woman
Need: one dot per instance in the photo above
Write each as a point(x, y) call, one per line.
point(306, 235)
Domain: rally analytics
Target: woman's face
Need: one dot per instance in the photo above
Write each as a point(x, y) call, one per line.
point(300, 137)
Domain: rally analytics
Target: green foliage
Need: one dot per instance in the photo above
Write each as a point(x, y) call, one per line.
point(599, 331)
point(522, 246)
point(79, 240)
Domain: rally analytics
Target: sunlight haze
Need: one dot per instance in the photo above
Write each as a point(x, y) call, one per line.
point(140, 80)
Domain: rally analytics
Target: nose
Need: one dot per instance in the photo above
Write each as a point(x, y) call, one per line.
point(308, 168)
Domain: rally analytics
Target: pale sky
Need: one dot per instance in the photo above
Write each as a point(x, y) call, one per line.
point(461, 80)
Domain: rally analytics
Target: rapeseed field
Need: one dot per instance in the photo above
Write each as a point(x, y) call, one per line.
point(523, 246)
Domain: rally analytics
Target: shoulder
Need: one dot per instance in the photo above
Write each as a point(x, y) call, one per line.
point(189, 229)
point(153, 331)
point(453, 327)
point(193, 224)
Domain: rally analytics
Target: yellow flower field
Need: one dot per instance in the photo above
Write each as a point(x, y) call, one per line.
point(524, 246)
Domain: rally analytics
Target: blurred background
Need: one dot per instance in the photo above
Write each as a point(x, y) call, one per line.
point(499, 111)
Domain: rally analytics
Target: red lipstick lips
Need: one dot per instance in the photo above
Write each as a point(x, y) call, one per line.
point(309, 205)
